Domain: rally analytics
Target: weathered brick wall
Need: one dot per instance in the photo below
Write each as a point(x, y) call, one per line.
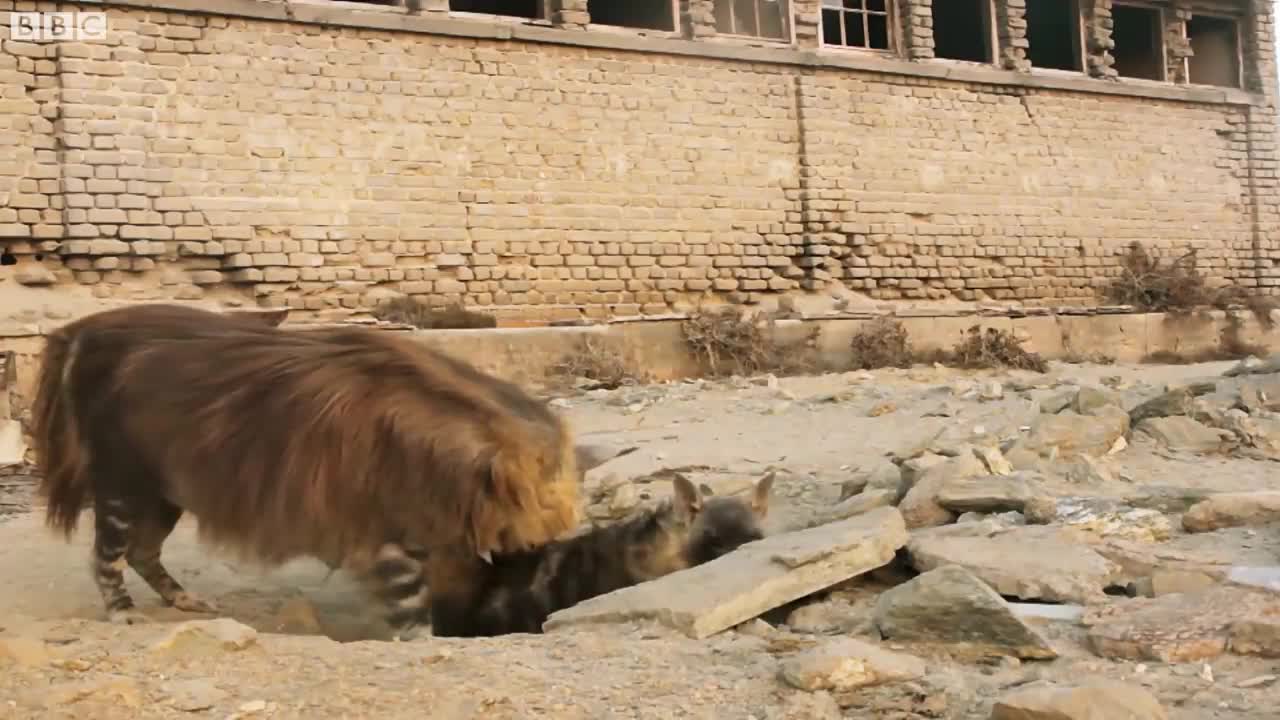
point(205, 156)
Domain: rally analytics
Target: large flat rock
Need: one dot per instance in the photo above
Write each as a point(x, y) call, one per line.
point(1029, 563)
point(1183, 627)
point(752, 580)
point(1233, 510)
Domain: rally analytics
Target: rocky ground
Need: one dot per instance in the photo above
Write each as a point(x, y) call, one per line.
point(1094, 542)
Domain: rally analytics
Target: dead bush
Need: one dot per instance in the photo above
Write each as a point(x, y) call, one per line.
point(883, 342)
point(732, 342)
point(992, 348)
point(1178, 288)
point(407, 310)
point(601, 365)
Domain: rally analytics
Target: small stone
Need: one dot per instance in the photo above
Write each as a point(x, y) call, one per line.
point(1086, 701)
point(222, 634)
point(994, 460)
point(848, 664)
point(991, 391)
point(833, 616)
point(920, 506)
point(1101, 517)
point(35, 275)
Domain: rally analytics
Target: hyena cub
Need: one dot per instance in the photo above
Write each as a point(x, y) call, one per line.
point(522, 589)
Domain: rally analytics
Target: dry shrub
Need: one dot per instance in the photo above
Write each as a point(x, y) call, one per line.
point(992, 348)
point(1178, 288)
point(407, 310)
point(732, 342)
point(604, 366)
point(883, 342)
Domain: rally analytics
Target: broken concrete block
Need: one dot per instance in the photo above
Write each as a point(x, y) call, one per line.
point(1182, 433)
point(848, 664)
point(950, 605)
point(1067, 434)
point(1175, 628)
point(1029, 563)
point(1256, 636)
point(1089, 701)
point(751, 580)
point(920, 507)
point(1233, 510)
point(989, 493)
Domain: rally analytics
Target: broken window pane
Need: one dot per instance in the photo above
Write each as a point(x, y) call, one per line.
point(1215, 44)
point(962, 30)
point(1139, 42)
point(856, 23)
point(1053, 34)
point(511, 8)
point(754, 18)
point(643, 14)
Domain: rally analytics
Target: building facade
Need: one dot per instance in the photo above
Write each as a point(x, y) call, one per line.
point(624, 157)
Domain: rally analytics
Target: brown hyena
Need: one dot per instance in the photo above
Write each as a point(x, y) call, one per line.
point(520, 590)
point(354, 446)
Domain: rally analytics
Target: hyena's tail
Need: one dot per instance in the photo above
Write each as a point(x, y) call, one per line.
point(60, 455)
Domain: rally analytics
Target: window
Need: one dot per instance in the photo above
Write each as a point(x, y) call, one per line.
point(533, 9)
point(1138, 34)
point(755, 18)
point(1215, 44)
point(644, 14)
point(1054, 34)
point(856, 23)
point(962, 30)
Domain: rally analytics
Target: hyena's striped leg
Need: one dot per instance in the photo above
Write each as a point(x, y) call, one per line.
point(113, 519)
point(397, 580)
point(153, 524)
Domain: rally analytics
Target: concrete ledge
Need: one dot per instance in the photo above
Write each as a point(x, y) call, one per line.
point(657, 347)
point(397, 19)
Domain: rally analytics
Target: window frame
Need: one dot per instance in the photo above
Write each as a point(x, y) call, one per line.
point(891, 14)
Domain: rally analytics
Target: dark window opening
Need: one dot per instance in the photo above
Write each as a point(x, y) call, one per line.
point(8, 258)
point(643, 14)
point(753, 18)
point(1053, 34)
point(1139, 43)
point(1215, 44)
point(856, 23)
point(512, 8)
point(962, 30)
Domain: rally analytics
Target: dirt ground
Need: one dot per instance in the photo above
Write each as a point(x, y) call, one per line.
point(319, 652)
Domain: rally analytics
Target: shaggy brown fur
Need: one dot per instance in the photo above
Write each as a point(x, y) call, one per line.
point(522, 589)
point(349, 445)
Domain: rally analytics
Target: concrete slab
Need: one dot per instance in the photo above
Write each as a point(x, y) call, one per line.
point(754, 579)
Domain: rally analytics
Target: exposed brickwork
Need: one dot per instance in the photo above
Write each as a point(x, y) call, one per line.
point(1098, 41)
point(1177, 47)
point(1011, 28)
point(917, 27)
point(195, 156)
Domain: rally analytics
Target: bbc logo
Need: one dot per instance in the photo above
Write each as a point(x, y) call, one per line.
point(52, 26)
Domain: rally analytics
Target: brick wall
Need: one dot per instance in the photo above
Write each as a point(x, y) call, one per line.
point(214, 156)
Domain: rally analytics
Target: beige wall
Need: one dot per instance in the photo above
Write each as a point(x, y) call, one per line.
point(217, 156)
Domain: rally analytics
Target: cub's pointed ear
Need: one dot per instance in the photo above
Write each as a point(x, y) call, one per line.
point(687, 500)
point(760, 496)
